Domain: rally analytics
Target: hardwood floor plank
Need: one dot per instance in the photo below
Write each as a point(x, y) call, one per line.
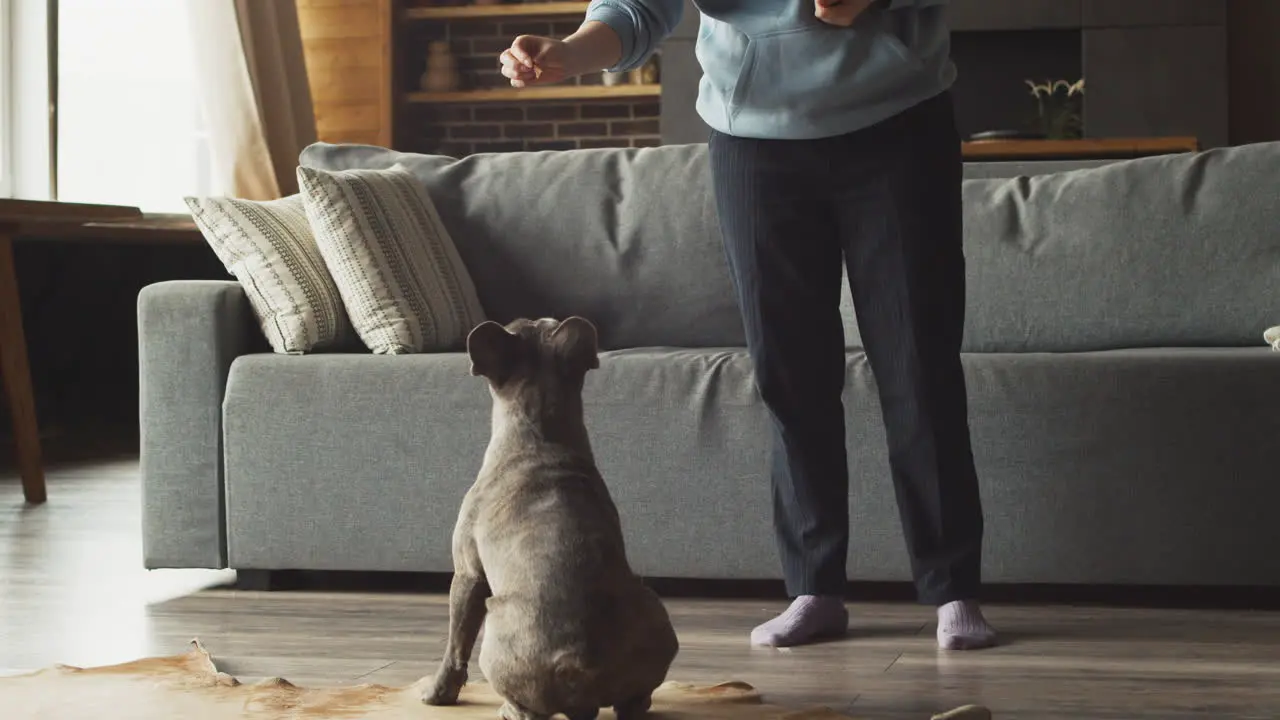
point(72, 590)
point(1041, 695)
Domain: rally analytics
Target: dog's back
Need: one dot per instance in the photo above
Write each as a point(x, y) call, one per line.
point(546, 526)
point(569, 627)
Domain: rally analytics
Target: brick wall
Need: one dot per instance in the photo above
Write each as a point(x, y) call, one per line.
point(462, 129)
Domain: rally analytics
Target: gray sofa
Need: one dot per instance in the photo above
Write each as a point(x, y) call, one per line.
point(1125, 410)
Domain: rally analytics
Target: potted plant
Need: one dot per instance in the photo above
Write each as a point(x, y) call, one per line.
point(1059, 110)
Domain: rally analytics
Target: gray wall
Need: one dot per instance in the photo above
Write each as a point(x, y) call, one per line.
point(680, 75)
point(1153, 67)
point(1254, 68)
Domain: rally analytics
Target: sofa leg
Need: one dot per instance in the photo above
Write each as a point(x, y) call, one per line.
point(267, 580)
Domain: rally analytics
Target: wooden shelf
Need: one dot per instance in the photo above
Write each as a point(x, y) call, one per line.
point(473, 12)
point(550, 92)
point(1086, 149)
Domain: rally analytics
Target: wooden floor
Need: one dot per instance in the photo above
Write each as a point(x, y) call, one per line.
point(72, 591)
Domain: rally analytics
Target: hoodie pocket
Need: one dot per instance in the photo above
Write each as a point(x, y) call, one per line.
point(769, 47)
point(822, 68)
point(727, 59)
point(746, 72)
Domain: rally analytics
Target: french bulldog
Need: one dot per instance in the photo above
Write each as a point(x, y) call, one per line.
point(538, 552)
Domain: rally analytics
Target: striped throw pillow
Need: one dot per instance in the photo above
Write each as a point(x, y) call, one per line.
point(269, 248)
point(399, 273)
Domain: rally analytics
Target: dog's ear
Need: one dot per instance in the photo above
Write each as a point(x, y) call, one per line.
point(492, 350)
point(577, 344)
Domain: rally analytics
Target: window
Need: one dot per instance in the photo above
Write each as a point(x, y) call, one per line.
point(6, 102)
point(130, 131)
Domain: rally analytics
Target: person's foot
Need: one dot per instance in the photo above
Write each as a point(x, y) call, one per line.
point(962, 627)
point(810, 618)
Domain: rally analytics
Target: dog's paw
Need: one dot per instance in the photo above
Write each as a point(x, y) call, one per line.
point(511, 711)
point(634, 708)
point(446, 687)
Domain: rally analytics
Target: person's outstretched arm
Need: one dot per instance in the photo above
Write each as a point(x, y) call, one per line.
point(641, 26)
point(616, 35)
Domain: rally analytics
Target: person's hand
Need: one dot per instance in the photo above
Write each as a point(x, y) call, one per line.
point(533, 60)
point(840, 12)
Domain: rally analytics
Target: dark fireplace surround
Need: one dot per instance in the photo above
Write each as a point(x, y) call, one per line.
point(1152, 68)
point(991, 92)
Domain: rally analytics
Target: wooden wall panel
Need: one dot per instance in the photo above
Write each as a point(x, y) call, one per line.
point(349, 63)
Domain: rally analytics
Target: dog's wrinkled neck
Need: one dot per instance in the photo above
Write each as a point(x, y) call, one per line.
point(525, 417)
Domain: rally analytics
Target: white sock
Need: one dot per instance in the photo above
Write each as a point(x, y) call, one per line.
point(810, 617)
point(961, 626)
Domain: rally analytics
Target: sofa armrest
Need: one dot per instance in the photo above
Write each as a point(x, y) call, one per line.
point(189, 332)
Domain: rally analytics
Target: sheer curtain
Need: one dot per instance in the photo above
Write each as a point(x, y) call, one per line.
point(6, 104)
point(158, 99)
point(251, 75)
point(128, 130)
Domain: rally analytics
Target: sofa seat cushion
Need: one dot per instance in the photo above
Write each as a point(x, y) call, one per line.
point(1130, 466)
point(323, 457)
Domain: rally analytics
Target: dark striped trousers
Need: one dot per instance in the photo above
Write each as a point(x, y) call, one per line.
point(886, 200)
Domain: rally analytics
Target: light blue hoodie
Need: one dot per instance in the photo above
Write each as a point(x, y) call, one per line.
point(773, 70)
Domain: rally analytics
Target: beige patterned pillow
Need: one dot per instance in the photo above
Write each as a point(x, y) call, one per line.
point(269, 247)
point(399, 273)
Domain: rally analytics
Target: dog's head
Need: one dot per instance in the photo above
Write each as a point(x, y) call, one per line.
point(548, 355)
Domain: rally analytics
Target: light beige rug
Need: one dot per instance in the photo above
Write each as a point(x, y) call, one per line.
point(190, 687)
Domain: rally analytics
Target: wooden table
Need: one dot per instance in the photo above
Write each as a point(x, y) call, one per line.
point(26, 219)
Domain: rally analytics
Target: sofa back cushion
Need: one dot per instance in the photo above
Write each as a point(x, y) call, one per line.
point(626, 238)
point(1180, 250)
